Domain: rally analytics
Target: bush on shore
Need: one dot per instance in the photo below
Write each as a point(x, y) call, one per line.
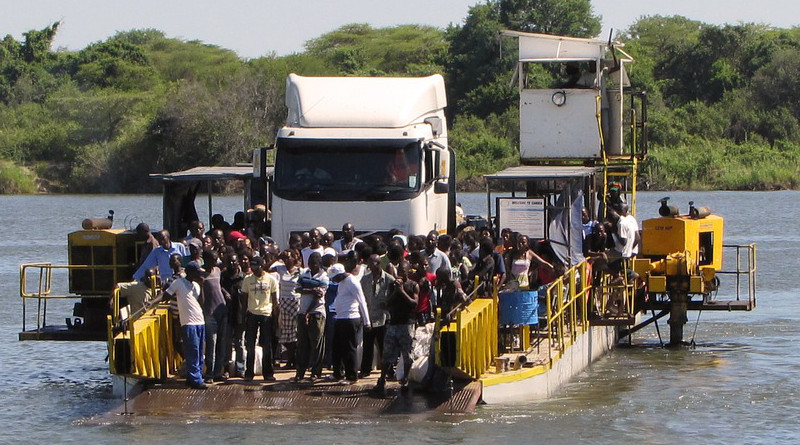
point(722, 164)
point(15, 179)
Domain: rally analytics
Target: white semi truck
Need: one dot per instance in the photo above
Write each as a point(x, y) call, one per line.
point(371, 151)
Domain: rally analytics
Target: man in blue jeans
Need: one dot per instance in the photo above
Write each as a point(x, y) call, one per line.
point(190, 312)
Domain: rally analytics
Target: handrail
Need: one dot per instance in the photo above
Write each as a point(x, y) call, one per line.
point(749, 272)
point(475, 329)
point(625, 286)
point(45, 278)
point(567, 313)
point(43, 291)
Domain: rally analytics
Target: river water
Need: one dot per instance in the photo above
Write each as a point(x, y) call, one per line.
point(740, 385)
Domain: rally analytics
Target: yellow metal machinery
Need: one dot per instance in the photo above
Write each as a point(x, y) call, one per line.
point(681, 257)
point(98, 259)
point(109, 255)
point(114, 248)
point(687, 248)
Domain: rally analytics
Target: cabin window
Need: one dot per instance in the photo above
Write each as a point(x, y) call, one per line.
point(347, 169)
point(706, 248)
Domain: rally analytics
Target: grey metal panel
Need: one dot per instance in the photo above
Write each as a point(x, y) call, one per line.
point(524, 172)
point(210, 173)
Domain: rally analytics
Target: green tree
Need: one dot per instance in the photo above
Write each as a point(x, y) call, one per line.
point(477, 61)
point(359, 49)
point(778, 82)
point(480, 147)
point(202, 125)
point(573, 18)
point(27, 63)
point(115, 63)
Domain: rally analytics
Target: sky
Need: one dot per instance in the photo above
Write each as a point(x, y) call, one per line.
point(255, 28)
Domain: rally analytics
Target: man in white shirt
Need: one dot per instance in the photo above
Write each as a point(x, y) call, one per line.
point(626, 239)
point(190, 312)
point(436, 258)
point(314, 246)
point(351, 315)
point(348, 240)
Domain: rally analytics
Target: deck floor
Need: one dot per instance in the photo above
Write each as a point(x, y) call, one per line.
point(540, 354)
point(240, 399)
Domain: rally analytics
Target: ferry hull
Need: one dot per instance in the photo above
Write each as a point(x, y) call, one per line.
point(588, 347)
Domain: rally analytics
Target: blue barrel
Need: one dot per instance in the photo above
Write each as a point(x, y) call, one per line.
point(519, 308)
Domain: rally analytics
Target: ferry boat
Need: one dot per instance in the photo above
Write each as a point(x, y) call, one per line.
point(581, 142)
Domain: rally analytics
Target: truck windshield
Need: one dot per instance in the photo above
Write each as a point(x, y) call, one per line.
point(346, 170)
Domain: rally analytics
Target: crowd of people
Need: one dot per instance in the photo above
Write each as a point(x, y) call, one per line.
point(312, 304)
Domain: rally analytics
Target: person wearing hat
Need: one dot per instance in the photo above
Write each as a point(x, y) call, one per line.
point(196, 250)
point(186, 290)
point(260, 289)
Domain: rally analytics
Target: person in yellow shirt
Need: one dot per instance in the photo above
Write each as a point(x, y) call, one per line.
point(260, 289)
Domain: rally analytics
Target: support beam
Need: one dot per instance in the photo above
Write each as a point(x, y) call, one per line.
point(679, 302)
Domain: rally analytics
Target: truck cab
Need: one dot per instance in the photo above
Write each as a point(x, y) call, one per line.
point(372, 151)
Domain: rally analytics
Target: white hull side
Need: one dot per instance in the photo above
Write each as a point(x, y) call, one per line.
point(587, 348)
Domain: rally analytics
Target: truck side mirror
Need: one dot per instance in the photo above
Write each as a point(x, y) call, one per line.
point(441, 187)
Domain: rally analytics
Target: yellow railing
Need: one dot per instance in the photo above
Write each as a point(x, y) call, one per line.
point(472, 338)
point(566, 301)
point(41, 275)
point(747, 270)
point(474, 333)
point(143, 345)
point(621, 286)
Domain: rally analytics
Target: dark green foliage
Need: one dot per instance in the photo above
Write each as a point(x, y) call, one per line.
point(201, 125)
point(359, 49)
point(25, 67)
point(485, 145)
point(558, 17)
point(723, 164)
point(475, 62)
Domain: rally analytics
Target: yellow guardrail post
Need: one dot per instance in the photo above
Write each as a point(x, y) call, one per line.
point(112, 367)
point(573, 321)
point(548, 322)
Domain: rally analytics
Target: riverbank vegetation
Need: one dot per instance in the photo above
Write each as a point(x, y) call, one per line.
point(724, 101)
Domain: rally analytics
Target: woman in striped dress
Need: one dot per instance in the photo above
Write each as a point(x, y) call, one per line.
point(289, 302)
